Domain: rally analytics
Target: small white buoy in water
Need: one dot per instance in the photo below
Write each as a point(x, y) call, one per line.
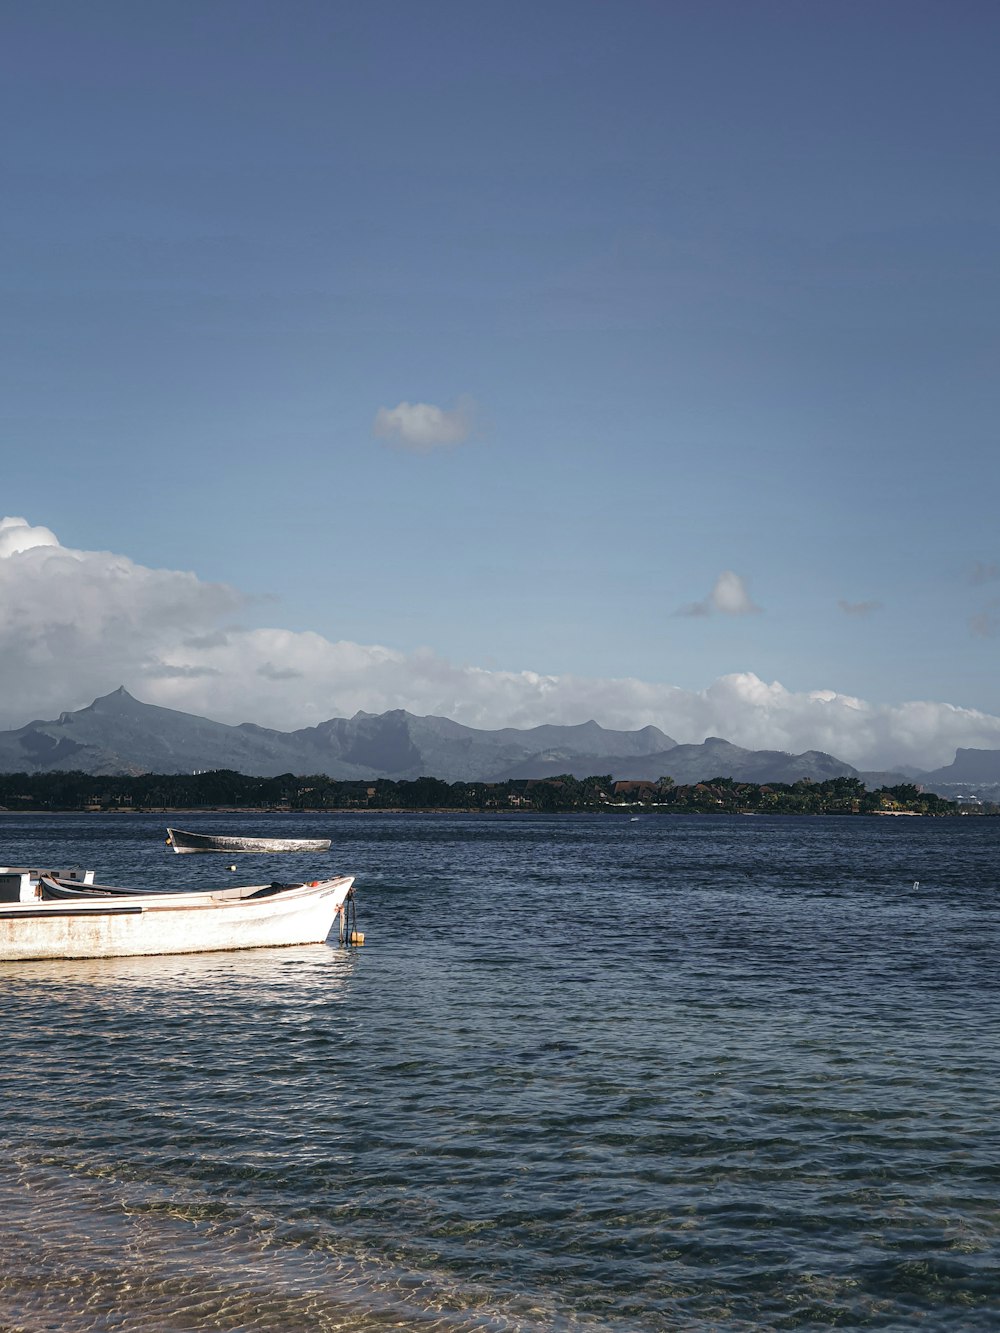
point(232, 867)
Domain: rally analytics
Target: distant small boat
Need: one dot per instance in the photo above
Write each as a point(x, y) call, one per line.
point(220, 842)
point(75, 920)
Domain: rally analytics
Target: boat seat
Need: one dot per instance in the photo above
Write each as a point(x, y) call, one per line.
point(269, 889)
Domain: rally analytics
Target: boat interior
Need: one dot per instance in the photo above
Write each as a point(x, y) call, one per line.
point(22, 884)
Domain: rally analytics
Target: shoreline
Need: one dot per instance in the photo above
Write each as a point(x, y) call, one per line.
point(644, 812)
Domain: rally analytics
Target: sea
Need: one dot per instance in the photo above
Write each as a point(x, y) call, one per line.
point(587, 1072)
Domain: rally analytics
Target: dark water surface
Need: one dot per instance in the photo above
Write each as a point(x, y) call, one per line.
point(685, 1073)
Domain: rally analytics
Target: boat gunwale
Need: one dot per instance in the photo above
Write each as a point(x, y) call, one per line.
point(86, 899)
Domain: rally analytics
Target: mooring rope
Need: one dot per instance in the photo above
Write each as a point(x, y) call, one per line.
point(348, 918)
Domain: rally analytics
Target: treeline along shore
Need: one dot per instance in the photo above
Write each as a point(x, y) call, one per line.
point(224, 789)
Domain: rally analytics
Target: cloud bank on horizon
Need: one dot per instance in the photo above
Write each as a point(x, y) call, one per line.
point(76, 624)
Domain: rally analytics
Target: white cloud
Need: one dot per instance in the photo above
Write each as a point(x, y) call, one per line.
point(422, 427)
point(17, 535)
point(76, 624)
point(730, 596)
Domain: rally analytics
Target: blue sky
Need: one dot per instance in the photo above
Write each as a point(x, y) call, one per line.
point(712, 287)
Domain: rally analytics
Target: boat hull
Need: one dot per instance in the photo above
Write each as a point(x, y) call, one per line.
point(211, 842)
point(122, 925)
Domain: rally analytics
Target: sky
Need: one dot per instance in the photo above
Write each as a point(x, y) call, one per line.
point(514, 362)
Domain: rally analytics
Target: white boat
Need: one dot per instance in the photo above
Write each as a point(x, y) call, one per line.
point(71, 919)
point(223, 842)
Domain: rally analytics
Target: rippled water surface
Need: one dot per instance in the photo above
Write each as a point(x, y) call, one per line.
point(584, 1074)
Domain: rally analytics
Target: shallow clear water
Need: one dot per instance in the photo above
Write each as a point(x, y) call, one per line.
point(584, 1074)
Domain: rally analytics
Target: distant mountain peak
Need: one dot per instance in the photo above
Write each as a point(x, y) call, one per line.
point(121, 695)
point(971, 764)
point(117, 703)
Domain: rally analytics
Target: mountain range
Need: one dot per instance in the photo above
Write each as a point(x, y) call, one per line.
point(119, 734)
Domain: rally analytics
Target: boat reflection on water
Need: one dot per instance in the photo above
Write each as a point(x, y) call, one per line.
point(268, 972)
